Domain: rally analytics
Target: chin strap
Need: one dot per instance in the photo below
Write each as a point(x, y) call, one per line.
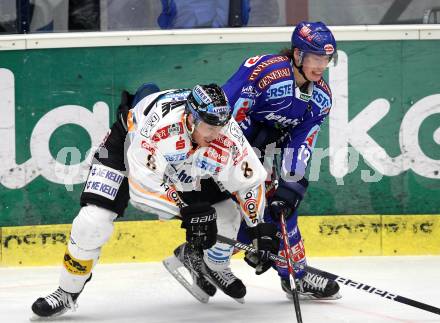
point(300, 70)
point(190, 131)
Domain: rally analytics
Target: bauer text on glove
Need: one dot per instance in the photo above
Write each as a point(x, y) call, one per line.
point(199, 220)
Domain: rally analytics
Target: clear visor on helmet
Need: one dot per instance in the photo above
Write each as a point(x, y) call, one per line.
point(317, 60)
point(209, 114)
point(213, 113)
point(209, 130)
point(202, 132)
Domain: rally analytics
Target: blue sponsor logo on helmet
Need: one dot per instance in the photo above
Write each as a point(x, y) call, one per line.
point(200, 95)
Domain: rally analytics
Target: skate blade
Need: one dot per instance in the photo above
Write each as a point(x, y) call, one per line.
point(172, 264)
point(37, 318)
point(239, 300)
point(310, 297)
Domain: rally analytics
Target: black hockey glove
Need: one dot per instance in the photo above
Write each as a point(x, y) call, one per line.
point(265, 240)
point(124, 107)
point(199, 220)
point(285, 200)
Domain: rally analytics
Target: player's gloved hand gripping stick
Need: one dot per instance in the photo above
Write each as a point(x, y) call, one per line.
point(199, 220)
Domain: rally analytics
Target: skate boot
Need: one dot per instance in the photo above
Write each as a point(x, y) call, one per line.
point(57, 303)
point(226, 281)
point(191, 259)
point(313, 286)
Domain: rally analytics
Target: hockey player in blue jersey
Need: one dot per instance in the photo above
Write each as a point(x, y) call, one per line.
point(283, 99)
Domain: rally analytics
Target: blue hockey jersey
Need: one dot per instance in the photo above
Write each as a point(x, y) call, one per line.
point(271, 108)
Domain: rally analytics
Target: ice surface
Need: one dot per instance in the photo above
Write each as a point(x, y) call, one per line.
point(146, 292)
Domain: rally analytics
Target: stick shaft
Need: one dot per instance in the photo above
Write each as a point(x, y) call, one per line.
point(289, 256)
point(344, 281)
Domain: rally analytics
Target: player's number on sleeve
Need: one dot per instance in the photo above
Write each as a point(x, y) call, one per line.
point(304, 154)
point(247, 171)
point(151, 162)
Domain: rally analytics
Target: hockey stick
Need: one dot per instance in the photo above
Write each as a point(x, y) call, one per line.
point(289, 256)
point(339, 279)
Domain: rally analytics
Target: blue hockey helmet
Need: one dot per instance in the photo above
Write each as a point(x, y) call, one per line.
point(315, 38)
point(208, 103)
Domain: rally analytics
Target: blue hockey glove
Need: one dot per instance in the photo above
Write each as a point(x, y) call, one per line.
point(284, 201)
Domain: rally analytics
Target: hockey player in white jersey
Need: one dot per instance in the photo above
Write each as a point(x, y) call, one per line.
point(221, 162)
point(187, 158)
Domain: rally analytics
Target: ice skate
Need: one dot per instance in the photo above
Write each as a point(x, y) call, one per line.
point(226, 281)
point(313, 286)
point(185, 256)
point(55, 304)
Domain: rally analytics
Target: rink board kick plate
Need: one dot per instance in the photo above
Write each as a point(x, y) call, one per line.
point(139, 241)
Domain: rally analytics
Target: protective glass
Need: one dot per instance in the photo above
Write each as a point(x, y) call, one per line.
point(319, 61)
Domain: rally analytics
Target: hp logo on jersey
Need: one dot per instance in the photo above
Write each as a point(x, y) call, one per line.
point(184, 177)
